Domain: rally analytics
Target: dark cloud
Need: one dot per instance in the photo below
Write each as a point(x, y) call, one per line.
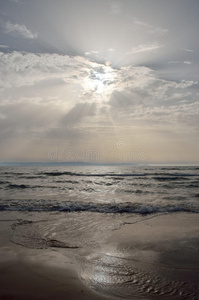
point(77, 113)
point(26, 120)
point(127, 99)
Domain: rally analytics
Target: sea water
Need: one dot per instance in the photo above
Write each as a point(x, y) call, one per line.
point(142, 190)
point(81, 212)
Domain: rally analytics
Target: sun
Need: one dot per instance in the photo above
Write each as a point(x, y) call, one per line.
point(100, 79)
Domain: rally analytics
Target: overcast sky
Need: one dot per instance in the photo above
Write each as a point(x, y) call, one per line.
point(104, 81)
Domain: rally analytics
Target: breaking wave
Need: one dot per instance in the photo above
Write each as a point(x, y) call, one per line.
point(121, 208)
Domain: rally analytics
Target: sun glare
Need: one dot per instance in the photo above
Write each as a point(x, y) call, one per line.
point(99, 80)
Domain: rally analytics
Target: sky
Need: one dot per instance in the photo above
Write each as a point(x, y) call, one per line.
point(109, 81)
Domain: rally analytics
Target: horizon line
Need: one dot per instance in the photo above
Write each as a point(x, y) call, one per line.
point(79, 163)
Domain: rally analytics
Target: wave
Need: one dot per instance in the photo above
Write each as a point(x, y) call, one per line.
point(30, 177)
point(136, 191)
point(122, 208)
point(164, 175)
point(4, 182)
point(68, 181)
point(166, 178)
point(193, 185)
point(25, 186)
point(17, 186)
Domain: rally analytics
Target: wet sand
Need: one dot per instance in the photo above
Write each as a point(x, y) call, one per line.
point(144, 257)
point(34, 273)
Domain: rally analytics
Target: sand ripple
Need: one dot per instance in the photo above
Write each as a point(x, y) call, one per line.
point(128, 279)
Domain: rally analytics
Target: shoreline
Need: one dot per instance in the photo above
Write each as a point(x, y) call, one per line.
point(36, 273)
point(154, 248)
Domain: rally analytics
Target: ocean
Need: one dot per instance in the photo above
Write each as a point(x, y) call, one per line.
point(115, 224)
point(117, 190)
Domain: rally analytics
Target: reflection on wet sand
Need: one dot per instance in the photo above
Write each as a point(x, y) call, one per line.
point(129, 257)
point(153, 259)
point(132, 279)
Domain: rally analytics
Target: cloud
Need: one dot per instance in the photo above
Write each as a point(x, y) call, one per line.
point(18, 30)
point(159, 31)
point(186, 62)
point(4, 46)
point(151, 28)
point(53, 97)
point(94, 93)
point(144, 48)
point(16, 1)
point(78, 112)
point(26, 120)
point(81, 76)
point(141, 97)
point(187, 50)
point(140, 108)
point(115, 7)
point(128, 98)
point(185, 84)
point(34, 128)
point(134, 77)
point(22, 68)
point(73, 126)
point(91, 52)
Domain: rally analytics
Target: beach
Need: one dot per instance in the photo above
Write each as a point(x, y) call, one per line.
point(99, 144)
point(141, 257)
point(27, 273)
